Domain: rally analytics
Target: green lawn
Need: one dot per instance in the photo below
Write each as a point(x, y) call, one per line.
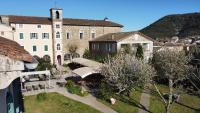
point(188, 103)
point(56, 103)
point(125, 104)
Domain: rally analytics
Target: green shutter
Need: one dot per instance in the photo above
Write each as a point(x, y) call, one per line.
point(45, 48)
point(21, 36)
point(34, 48)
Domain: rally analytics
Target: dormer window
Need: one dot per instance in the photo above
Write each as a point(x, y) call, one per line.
point(57, 15)
point(58, 35)
point(38, 26)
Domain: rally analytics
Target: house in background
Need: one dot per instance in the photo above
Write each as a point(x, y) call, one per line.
point(114, 42)
point(158, 46)
point(12, 59)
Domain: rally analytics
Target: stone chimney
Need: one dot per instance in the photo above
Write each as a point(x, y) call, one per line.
point(4, 20)
point(105, 19)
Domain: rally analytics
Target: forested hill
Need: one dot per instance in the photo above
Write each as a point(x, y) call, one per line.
point(181, 25)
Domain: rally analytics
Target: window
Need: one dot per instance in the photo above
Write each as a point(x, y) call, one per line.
point(58, 35)
point(93, 35)
point(75, 55)
point(34, 48)
point(46, 48)
point(38, 26)
point(47, 58)
point(33, 35)
point(57, 26)
point(57, 15)
point(67, 57)
point(22, 47)
point(81, 35)
point(2, 33)
point(68, 35)
point(20, 25)
point(21, 36)
point(45, 35)
point(58, 46)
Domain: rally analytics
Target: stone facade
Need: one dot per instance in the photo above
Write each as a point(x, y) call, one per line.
point(10, 87)
point(82, 44)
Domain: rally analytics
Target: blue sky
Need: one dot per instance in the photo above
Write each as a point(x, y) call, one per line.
point(133, 14)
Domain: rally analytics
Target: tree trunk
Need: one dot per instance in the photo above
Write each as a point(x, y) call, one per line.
point(167, 108)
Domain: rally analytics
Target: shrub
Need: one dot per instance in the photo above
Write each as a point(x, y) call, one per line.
point(70, 84)
point(105, 91)
point(43, 65)
point(41, 96)
point(75, 89)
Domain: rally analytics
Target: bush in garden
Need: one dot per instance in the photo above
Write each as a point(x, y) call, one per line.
point(41, 96)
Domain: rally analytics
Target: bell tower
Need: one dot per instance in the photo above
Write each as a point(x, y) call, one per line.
point(57, 23)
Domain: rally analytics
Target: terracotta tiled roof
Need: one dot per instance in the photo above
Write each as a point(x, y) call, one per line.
point(173, 44)
point(66, 21)
point(13, 50)
point(168, 44)
point(118, 36)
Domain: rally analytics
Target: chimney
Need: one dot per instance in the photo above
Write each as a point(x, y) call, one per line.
point(105, 19)
point(5, 20)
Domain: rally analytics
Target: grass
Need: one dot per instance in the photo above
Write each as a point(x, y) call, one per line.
point(125, 104)
point(56, 103)
point(186, 104)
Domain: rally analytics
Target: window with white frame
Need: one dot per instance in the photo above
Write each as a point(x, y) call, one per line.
point(45, 35)
point(58, 46)
point(57, 26)
point(20, 25)
point(81, 35)
point(2, 33)
point(93, 35)
point(58, 35)
point(68, 35)
point(33, 35)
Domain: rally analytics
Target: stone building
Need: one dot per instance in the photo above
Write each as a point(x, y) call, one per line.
point(52, 36)
point(12, 59)
point(115, 42)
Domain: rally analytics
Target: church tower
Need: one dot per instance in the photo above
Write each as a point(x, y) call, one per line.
point(57, 24)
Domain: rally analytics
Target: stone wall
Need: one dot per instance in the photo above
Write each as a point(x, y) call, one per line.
point(82, 44)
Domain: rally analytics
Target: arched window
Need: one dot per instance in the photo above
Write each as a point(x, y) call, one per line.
point(67, 56)
point(58, 46)
point(58, 35)
point(57, 15)
point(47, 58)
point(75, 55)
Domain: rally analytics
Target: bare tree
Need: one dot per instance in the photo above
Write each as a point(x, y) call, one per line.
point(72, 48)
point(124, 72)
point(172, 65)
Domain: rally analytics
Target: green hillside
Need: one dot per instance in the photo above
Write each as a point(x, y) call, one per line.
point(181, 25)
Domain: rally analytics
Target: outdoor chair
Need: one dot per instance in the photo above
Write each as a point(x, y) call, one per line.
point(28, 88)
point(42, 86)
point(35, 87)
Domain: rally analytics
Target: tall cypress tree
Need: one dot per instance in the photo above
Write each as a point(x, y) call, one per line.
point(139, 52)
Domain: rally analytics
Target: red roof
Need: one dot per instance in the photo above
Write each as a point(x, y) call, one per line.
point(13, 50)
point(66, 21)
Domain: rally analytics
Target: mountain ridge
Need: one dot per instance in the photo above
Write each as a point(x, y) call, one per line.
point(181, 25)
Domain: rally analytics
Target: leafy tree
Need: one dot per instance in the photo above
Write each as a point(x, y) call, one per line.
point(124, 72)
point(172, 65)
point(139, 52)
